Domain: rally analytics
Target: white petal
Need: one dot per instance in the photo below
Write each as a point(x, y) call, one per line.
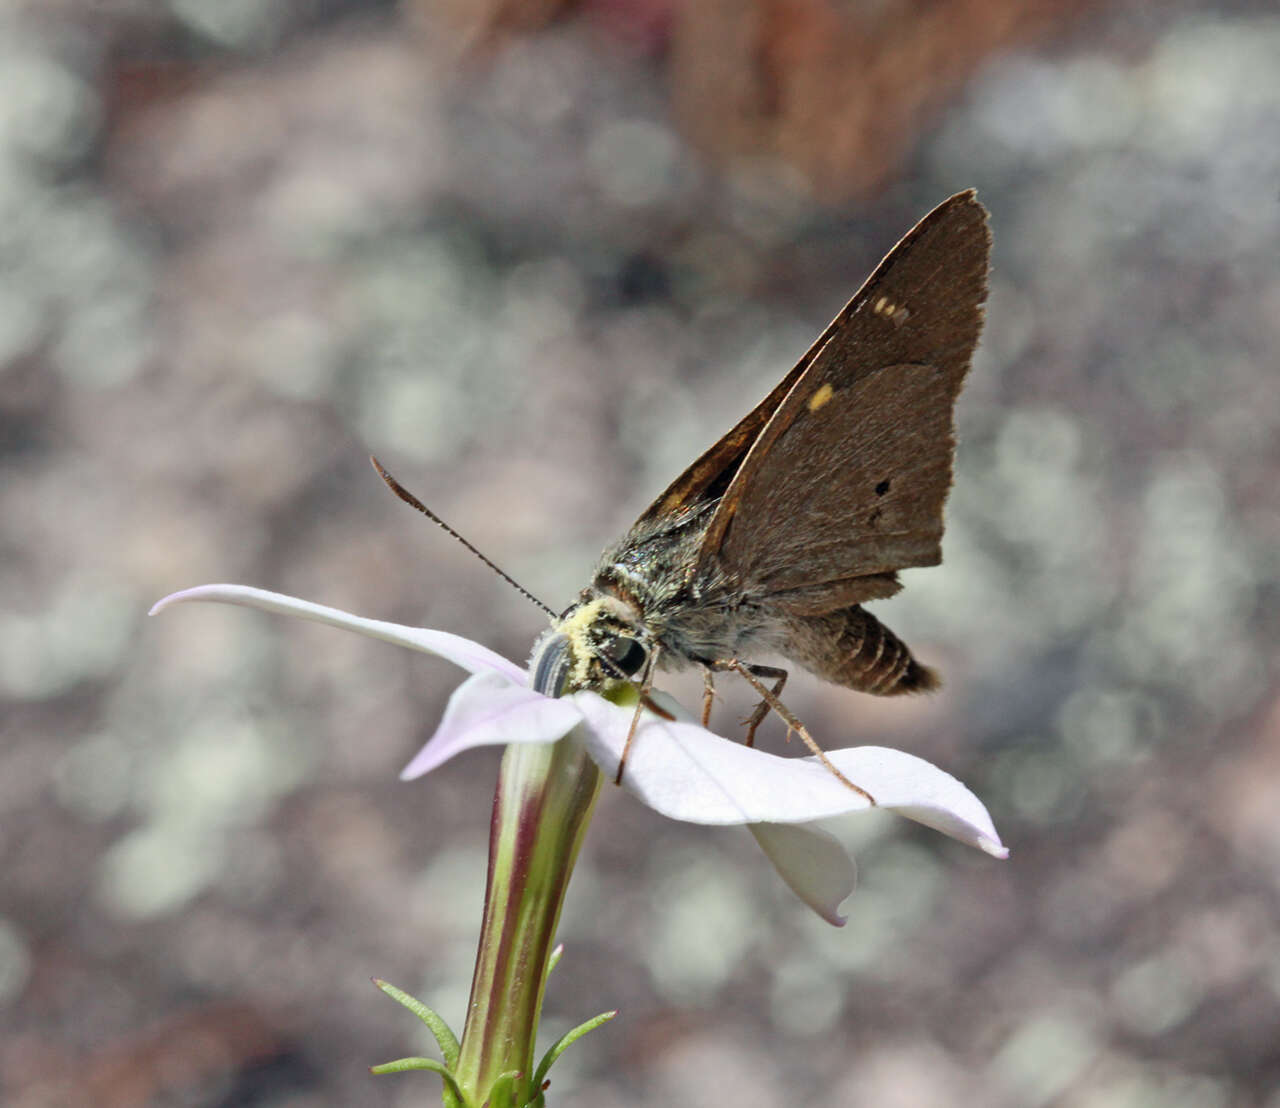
point(812, 863)
point(471, 656)
point(687, 773)
point(920, 791)
point(487, 710)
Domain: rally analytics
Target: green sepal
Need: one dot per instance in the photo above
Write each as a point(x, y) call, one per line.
point(563, 1043)
point(503, 1093)
point(444, 1035)
point(452, 1093)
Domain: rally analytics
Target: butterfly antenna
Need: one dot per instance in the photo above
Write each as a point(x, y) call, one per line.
point(408, 497)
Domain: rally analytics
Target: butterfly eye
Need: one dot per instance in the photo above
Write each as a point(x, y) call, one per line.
point(626, 653)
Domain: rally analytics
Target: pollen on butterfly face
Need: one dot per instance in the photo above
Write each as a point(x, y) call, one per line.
point(819, 398)
point(577, 627)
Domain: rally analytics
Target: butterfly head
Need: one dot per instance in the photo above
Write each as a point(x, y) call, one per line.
point(600, 641)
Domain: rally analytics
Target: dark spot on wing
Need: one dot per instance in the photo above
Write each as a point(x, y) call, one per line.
point(883, 487)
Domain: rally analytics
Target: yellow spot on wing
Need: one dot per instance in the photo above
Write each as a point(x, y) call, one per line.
point(820, 397)
point(896, 313)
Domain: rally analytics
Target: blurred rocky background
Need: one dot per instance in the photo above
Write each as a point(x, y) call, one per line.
point(536, 256)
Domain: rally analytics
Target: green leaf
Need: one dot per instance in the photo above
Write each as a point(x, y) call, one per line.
point(453, 1094)
point(503, 1093)
point(564, 1042)
point(444, 1036)
point(554, 960)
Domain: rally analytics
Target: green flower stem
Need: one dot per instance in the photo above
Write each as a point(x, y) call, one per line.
point(546, 793)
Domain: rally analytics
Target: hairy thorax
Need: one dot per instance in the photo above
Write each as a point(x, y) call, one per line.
point(694, 612)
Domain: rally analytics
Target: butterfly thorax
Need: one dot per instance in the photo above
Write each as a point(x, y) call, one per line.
point(685, 602)
point(648, 591)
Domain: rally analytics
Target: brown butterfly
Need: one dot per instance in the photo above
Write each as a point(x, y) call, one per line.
point(774, 538)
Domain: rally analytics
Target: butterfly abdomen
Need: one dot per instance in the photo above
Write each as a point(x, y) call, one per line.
point(850, 647)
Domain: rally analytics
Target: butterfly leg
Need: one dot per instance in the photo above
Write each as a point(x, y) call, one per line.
point(779, 678)
point(708, 695)
point(753, 721)
point(770, 700)
point(644, 701)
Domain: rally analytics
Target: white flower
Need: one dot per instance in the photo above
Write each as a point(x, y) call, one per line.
point(676, 767)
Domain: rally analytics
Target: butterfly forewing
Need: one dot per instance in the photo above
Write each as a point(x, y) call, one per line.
point(708, 478)
point(848, 476)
